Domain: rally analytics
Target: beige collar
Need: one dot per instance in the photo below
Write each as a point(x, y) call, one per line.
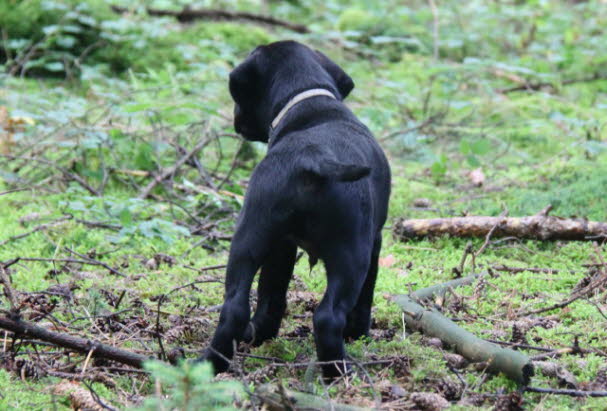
point(298, 98)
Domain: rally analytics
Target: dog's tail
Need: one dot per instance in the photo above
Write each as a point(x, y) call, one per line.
point(330, 169)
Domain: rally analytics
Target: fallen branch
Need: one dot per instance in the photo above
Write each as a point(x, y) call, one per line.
point(92, 261)
point(279, 398)
point(563, 391)
point(188, 15)
point(439, 290)
point(513, 364)
point(24, 329)
point(8, 288)
point(538, 86)
point(595, 284)
point(41, 227)
point(516, 270)
point(171, 170)
point(537, 227)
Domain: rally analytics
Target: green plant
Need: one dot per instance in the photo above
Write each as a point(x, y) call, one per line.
point(191, 387)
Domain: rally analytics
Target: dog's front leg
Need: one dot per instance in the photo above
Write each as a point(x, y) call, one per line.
point(274, 280)
point(246, 253)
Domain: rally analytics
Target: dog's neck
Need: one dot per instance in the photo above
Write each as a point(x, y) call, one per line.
point(296, 99)
point(304, 95)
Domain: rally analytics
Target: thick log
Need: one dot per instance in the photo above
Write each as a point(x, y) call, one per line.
point(537, 227)
point(513, 364)
point(27, 330)
point(279, 398)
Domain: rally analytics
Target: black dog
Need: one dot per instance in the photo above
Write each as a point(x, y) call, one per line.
point(324, 186)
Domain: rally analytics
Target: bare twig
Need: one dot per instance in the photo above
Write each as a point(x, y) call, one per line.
point(8, 289)
point(487, 240)
point(188, 15)
point(93, 261)
point(41, 227)
point(576, 296)
point(63, 170)
point(540, 85)
point(562, 391)
point(171, 170)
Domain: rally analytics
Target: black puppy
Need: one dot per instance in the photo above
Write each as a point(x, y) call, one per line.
point(324, 186)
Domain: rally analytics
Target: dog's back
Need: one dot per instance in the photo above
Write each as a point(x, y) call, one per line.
point(335, 158)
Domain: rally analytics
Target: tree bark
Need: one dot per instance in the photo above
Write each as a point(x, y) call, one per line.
point(537, 227)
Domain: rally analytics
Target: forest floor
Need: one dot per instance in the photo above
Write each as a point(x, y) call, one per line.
point(504, 110)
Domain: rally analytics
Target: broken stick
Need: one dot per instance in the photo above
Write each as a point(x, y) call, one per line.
point(25, 329)
point(513, 364)
point(537, 227)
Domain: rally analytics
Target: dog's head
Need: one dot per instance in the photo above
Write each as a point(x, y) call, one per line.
point(271, 75)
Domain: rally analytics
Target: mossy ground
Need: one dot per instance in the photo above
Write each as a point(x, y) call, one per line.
point(537, 147)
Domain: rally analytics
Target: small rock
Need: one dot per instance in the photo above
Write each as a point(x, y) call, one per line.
point(422, 203)
point(397, 391)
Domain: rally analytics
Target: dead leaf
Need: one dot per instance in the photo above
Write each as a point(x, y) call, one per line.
point(387, 261)
point(476, 177)
point(9, 126)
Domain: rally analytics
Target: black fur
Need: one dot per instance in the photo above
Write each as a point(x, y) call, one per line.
point(324, 186)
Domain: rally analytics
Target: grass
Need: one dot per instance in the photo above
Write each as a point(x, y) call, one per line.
point(438, 120)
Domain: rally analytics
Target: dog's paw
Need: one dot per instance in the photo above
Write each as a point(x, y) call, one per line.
point(219, 362)
point(336, 369)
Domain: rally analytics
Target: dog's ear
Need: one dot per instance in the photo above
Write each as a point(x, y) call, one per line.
point(344, 83)
point(244, 79)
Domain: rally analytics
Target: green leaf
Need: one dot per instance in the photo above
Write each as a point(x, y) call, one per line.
point(481, 147)
point(473, 160)
point(464, 147)
point(66, 42)
point(55, 66)
point(143, 157)
point(126, 217)
point(438, 168)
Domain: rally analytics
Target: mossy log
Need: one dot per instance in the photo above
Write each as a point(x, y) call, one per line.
point(513, 364)
point(537, 227)
point(279, 398)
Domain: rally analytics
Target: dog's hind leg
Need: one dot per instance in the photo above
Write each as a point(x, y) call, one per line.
point(249, 248)
point(274, 280)
point(346, 271)
point(359, 319)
